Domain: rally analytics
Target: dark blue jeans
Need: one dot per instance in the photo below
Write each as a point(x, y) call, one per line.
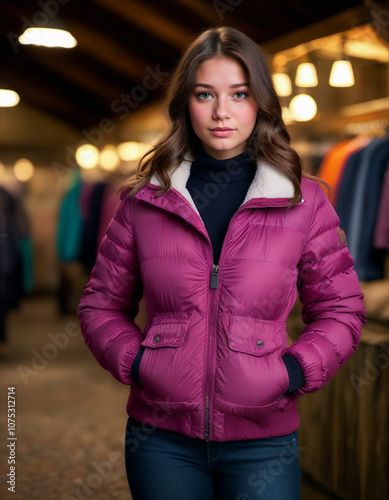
point(165, 465)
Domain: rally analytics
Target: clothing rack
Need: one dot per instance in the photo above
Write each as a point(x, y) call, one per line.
point(16, 267)
point(356, 170)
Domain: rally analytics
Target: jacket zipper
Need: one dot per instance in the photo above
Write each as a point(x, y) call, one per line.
point(208, 385)
point(212, 331)
point(206, 434)
point(212, 334)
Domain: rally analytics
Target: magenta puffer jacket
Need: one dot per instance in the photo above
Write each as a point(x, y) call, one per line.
point(209, 359)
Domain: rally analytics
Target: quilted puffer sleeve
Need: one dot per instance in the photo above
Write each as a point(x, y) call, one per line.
point(333, 308)
point(110, 301)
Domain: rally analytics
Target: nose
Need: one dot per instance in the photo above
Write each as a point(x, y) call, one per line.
point(221, 111)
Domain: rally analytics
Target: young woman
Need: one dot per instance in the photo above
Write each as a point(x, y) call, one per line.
point(219, 232)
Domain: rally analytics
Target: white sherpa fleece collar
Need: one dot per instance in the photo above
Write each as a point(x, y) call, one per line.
point(268, 182)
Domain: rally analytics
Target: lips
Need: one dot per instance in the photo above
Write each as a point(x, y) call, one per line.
point(221, 131)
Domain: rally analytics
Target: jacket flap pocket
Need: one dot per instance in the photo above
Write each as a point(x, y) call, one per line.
point(253, 336)
point(166, 331)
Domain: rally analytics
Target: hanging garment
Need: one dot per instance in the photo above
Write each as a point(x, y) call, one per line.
point(369, 263)
point(69, 232)
point(381, 231)
point(25, 244)
point(85, 198)
point(347, 186)
point(90, 229)
point(11, 264)
point(331, 161)
point(334, 163)
point(355, 145)
point(109, 203)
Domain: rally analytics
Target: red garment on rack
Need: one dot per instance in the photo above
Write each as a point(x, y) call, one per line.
point(330, 162)
point(335, 160)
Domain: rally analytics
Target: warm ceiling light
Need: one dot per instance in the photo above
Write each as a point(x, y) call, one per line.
point(48, 37)
point(306, 75)
point(109, 158)
point(132, 150)
point(282, 84)
point(87, 156)
point(23, 170)
point(303, 108)
point(8, 98)
point(342, 74)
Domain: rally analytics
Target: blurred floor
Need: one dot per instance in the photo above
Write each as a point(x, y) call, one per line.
point(70, 413)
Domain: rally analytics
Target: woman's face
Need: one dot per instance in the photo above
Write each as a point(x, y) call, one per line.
point(222, 111)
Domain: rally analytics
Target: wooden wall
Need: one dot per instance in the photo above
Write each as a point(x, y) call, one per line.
point(344, 430)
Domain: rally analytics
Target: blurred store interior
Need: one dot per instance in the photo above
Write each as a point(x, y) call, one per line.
point(74, 121)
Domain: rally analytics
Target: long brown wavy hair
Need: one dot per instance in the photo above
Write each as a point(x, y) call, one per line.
point(269, 139)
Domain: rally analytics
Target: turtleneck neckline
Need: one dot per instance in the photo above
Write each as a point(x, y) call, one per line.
point(206, 167)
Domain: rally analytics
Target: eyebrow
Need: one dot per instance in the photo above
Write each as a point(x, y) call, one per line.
point(235, 86)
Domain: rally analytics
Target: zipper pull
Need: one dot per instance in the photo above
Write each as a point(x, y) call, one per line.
point(215, 276)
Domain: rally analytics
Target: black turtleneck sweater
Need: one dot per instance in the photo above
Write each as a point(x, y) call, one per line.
point(218, 188)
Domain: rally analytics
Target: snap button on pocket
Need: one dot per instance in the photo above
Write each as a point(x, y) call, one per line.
point(260, 343)
point(157, 338)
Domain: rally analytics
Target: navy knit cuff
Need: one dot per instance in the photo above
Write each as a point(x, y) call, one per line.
point(296, 375)
point(136, 365)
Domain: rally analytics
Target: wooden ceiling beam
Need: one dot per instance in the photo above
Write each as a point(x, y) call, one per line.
point(202, 9)
point(103, 49)
point(335, 24)
point(149, 20)
point(38, 93)
point(71, 70)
